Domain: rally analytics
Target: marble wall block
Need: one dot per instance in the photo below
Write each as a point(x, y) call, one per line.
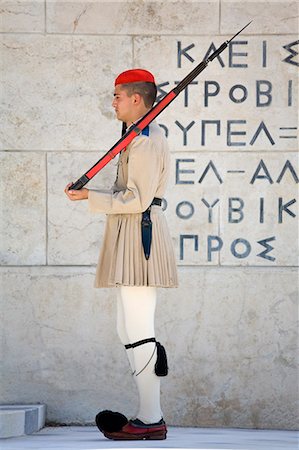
point(60, 344)
point(247, 99)
point(22, 16)
point(269, 17)
point(234, 209)
point(23, 208)
point(234, 363)
point(132, 17)
point(230, 334)
point(74, 233)
point(58, 90)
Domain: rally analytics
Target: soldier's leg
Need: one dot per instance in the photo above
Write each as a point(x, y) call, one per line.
point(122, 332)
point(139, 305)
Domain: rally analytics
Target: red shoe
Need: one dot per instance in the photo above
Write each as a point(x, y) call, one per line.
point(137, 430)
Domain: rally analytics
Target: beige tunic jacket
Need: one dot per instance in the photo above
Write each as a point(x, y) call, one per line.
point(143, 171)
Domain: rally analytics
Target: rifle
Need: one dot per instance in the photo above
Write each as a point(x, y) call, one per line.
point(137, 128)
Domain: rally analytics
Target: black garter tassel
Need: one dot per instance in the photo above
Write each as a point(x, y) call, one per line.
point(161, 367)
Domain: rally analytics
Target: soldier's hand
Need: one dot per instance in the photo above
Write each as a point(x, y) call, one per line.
point(81, 194)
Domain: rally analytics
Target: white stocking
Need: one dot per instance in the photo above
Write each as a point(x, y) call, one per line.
point(122, 332)
point(135, 314)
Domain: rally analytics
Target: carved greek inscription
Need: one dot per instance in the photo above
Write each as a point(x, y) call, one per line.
point(245, 102)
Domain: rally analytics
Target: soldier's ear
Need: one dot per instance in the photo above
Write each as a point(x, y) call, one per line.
point(137, 98)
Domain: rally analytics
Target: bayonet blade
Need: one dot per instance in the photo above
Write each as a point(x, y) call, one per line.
point(239, 32)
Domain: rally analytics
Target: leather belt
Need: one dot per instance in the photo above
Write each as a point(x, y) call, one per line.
point(157, 201)
point(146, 227)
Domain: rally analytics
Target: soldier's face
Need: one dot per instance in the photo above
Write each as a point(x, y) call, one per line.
point(123, 104)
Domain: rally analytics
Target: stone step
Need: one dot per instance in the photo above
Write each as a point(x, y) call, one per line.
point(16, 420)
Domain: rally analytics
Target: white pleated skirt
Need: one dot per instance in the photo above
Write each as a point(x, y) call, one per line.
point(122, 261)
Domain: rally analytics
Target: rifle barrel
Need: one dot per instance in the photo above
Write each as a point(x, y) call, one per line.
point(137, 128)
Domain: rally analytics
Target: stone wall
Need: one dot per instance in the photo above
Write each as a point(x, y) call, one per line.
point(230, 328)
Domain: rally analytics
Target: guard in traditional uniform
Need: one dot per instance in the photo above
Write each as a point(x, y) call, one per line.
point(137, 254)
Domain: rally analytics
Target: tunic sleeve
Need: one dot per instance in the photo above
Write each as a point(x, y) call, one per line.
point(144, 168)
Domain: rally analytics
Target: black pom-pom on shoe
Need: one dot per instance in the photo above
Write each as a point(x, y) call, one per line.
point(110, 421)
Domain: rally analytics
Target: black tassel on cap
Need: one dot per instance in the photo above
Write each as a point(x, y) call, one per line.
point(161, 367)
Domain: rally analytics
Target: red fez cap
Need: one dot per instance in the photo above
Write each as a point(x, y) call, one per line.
point(134, 76)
